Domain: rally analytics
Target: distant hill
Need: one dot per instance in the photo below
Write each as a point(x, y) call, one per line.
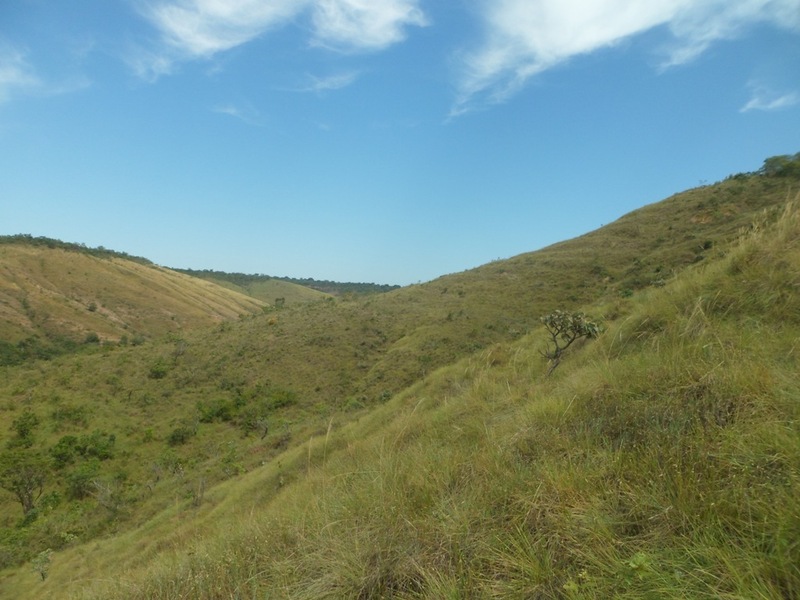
point(339, 288)
point(274, 291)
point(55, 296)
point(267, 287)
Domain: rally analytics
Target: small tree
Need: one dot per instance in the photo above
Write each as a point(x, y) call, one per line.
point(565, 329)
point(41, 563)
point(23, 474)
point(24, 426)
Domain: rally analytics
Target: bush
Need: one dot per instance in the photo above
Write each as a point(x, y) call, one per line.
point(219, 409)
point(180, 435)
point(79, 482)
point(74, 415)
point(565, 329)
point(158, 370)
point(65, 451)
point(280, 398)
point(98, 444)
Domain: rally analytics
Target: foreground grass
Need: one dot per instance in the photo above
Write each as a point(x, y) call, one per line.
point(661, 461)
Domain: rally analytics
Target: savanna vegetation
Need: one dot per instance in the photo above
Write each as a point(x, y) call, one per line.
point(262, 286)
point(412, 445)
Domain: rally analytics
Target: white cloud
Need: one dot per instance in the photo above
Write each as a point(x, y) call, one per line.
point(764, 98)
point(17, 76)
point(15, 73)
point(193, 29)
point(526, 37)
point(246, 114)
point(364, 24)
point(331, 82)
point(201, 28)
point(147, 64)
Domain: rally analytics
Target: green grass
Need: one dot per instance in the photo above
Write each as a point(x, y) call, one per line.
point(667, 466)
point(415, 448)
point(272, 291)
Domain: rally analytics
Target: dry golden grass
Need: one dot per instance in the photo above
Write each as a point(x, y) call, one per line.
point(58, 293)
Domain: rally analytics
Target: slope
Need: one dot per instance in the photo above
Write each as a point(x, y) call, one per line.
point(270, 290)
point(191, 411)
point(661, 460)
point(60, 295)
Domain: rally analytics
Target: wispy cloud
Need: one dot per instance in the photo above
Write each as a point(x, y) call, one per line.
point(331, 82)
point(192, 29)
point(16, 74)
point(148, 64)
point(201, 28)
point(526, 37)
point(245, 113)
point(364, 24)
point(766, 99)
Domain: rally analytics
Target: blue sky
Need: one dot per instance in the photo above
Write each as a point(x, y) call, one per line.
point(390, 141)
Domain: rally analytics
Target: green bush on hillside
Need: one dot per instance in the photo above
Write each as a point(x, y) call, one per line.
point(219, 409)
point(565, 329)
point(783, 165)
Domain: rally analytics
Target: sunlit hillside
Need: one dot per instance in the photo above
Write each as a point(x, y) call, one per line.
point(410, 444)
point(53, 297)
point(272, 291)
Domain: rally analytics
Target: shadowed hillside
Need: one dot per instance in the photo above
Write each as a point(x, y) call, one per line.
point(409, 445)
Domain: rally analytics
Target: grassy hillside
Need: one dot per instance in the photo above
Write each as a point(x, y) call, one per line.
point(271, 290)
point(54, 296)
point(268, 288)
point(299, 425)
point(660, 461)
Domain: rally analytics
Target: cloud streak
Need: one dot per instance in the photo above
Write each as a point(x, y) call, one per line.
point(15, 73)
point(246, 114)
point(766, 99)
point(338, 81)
point(199, 29)
point(526, 37)
point(18, 76)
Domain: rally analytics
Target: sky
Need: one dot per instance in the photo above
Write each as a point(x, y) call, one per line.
point(386, 141)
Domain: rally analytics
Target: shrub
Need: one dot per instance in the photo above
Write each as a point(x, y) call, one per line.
point(79, 482)
point(180, 435)
point(219, 409)
point(98, 444)
point(565, 329)
point(280, 398)
point(65, 451)
point(158, 371)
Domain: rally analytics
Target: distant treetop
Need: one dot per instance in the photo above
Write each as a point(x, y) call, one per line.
point(335, 288)
point(783, 165)
point(99, 252)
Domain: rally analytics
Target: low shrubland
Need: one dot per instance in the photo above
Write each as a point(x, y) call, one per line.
point(660, 460)
point(412, 445)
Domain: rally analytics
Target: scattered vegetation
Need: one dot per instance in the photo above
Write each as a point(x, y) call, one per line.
point(408, 445)
point(54, 244)
point(266, 286)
